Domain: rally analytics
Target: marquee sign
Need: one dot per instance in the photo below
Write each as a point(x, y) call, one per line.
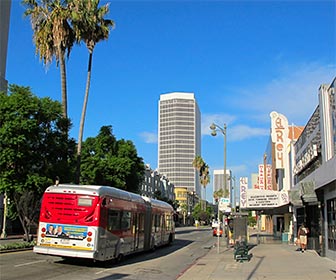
point(256, 199)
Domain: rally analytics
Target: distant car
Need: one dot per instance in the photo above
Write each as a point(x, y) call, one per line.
point(217, 231)
point(214, 224)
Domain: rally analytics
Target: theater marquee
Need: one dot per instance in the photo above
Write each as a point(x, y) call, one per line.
point(257, 199)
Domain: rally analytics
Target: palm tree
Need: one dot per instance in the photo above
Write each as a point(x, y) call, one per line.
point(205, 177)
point(53, 35)
point(198, 162)
point(91, 27)
point(203, 169)
point(218, 194)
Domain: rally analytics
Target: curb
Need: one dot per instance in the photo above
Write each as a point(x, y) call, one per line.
point(5, 251)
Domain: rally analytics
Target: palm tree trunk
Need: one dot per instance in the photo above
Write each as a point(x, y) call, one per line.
point(81, 126)
point(63, 83)
point(205, 198)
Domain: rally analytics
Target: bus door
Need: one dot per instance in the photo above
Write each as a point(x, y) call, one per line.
point(163, 229)
point(147, 227)
point(135, 231)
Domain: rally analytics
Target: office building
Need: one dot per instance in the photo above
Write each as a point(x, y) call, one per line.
point(179, 139)
point(5, 7)
point(218, 183)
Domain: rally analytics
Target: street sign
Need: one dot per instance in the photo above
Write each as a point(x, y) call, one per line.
point(223, 204)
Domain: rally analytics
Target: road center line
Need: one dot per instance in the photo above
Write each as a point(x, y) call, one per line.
point(23, 264)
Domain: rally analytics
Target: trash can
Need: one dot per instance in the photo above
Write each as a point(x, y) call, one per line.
point(284, 237)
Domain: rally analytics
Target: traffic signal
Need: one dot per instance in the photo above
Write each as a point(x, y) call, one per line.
point(237, 209)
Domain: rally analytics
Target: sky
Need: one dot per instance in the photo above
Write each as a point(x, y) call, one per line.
point(241, 59)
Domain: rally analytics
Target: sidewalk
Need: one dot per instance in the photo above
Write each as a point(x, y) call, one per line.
point(269, 261)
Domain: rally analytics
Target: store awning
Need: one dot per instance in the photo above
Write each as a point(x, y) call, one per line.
point(308, 194)
point(295, 197)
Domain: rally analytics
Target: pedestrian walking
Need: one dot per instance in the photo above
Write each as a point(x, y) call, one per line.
point(302, 236)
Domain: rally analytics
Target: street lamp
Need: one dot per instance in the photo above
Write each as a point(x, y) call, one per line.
point(214, 128)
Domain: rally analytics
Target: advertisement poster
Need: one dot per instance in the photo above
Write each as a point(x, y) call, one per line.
point(66, 231)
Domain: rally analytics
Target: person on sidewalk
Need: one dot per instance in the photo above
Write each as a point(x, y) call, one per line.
point(302, 235)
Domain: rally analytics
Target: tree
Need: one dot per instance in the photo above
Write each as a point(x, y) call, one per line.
point(91, 27)
point(202, 214)
point(184, 211)
point(218, 194)
point(53, 35)
point(33, 150)
point(205, 177)
point(107, 161)
point(203, 170)
point(198, 162)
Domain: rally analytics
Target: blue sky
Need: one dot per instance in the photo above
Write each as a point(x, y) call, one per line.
point(242, 59)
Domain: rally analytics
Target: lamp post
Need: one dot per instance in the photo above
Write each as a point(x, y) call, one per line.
point(234, 190)
point(214, 128)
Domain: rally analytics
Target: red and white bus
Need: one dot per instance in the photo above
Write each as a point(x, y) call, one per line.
point(101, 222)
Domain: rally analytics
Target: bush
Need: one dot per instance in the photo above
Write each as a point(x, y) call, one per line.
point(17, 245)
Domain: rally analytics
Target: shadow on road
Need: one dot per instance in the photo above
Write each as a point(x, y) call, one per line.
point(130, 259)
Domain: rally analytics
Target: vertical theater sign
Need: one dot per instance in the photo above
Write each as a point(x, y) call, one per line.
point(279, 135)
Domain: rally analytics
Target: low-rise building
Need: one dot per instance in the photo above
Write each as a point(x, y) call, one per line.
point(156, 185)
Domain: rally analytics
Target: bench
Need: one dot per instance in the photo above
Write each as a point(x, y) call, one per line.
point(241, 251)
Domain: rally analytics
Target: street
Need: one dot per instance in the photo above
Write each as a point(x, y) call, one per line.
point(165, 263)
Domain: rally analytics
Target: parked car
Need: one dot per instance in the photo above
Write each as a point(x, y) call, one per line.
point(217, 231)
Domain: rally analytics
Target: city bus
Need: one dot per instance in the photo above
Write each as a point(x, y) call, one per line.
point(101, 223)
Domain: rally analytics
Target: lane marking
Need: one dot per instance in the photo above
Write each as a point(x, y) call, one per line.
point(23, 264)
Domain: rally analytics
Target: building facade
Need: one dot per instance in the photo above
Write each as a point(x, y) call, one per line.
point(5, 7)
point(218, 183)
point(274, 175)
point(179, 139)
point(156, 185)
point(303, 163)
point(314, 175)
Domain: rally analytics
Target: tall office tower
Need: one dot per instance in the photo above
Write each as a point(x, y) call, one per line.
point(5, 6)
point(218, 181)
point(179, 137)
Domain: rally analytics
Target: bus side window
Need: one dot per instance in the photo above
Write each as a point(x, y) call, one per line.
point(169, 222)
point(113, 222)
point(156, 223)
point(126, 220)
point(142, 222)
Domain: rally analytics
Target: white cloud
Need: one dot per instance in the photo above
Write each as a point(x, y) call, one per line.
point(237, 132)
point(242, 132)
point(219, 119)
point(294, 93)
point(149, 137)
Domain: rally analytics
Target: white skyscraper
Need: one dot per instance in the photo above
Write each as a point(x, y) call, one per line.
point(179, 137)
point(5, 7)
point(218, 181)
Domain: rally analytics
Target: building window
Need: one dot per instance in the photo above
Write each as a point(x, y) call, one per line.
point(331, 219)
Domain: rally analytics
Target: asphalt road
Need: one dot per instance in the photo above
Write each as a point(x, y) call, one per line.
point(165, 263)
